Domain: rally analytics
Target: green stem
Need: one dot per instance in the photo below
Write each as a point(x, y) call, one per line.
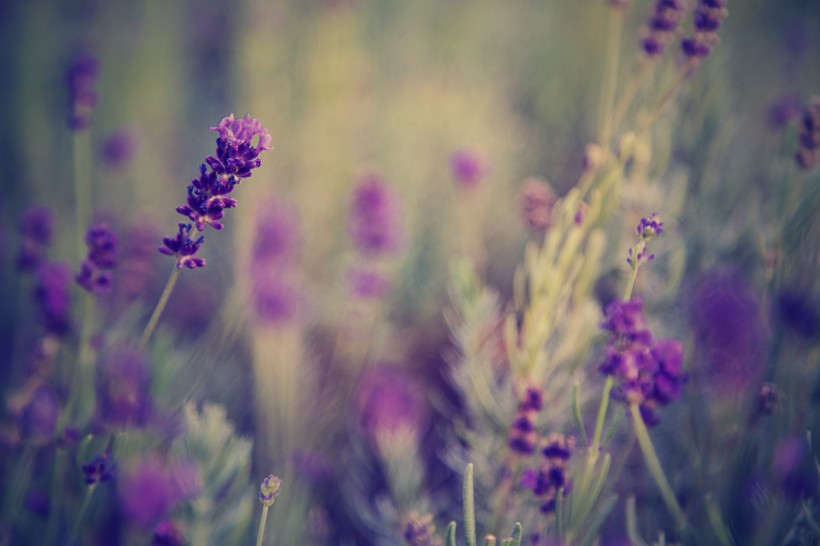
point(82, 187)
point(608, 89)
point(262, 523)
point(655, 469)
point(163, 300)
point(599, 422)
point(635, 265)
point(80, 514)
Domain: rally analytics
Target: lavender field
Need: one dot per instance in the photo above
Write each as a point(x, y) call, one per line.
point(428, 273)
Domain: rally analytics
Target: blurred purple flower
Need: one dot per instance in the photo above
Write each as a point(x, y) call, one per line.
point(467, 167)
point(389, 400)
point(662, 26)
point(785, 109)
point(375, 217)
point(123, 387)
point(39, 418)
point(167, 533)
point(537, 201)
point(52, 296)
point(81, 81)
point(730, 335)
point(236, 156)
point(523, 436)
point(708, 17)
point(277, 237)
point(367, 284)
point(119, 148)
point(552, 473)
point(800, 313)
point(420, 530)
point(276, 298)
point(97, 470)
point(137, 259)
point(95, 275)
point(36, 228)
point(38, 502)
point(149, 490)
point(793, 468)
point(313, 466)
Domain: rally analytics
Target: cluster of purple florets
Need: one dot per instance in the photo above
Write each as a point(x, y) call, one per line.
point(708, 17)
point(81, 80)
point(208, 195)
point(551, 476)
point(97, 470)
point(523, 435)
point(649, 373)
point(662, 26)
point(95, 273)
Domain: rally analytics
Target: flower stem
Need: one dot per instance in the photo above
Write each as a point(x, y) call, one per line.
point(80, 514)
point(635, 265)
point(599, 423)
point(163, 300)
point(655, 469)
point(82, 186)
point(616, 18)
point(262, 523)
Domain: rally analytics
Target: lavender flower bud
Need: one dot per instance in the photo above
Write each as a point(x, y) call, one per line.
point(420, 530)
point(552, 474)
point(97, 470)
point(708, 17)
point(662, 26)
point(270, 489)
point(81, 80)
point(467, 167)
point(375, 222)
point(537, 201)
point(650, 227)
point(52, 296)
point(94, 275)
point(35, 229)
point(523, 435)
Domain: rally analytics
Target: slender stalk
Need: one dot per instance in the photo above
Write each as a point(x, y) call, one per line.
point(262, 523)
point(82, 186)
point(599, 422)
point(635, 265)
point(614, 31)
point(163, 300)
point(655, 469)
point(75, 527)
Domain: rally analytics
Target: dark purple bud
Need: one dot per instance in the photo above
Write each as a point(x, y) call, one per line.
point(52, 296)
point(98, 470)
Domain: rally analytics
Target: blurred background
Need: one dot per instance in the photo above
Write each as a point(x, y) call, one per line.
point(354, 88)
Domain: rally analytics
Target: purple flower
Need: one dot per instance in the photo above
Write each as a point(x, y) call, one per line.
point(389, 401)
point(123, 387)
point(276, 298)
point(708, 17)
point(537, 201)
point(52, 296)
point(81, 80)
point(97, 470)
point(420, 530)
point(523, 435)
point(167, 533)
point(208, 195)
point(95, 274)
point(149, 491)
point(793, 468)
point(375, 223)
point(662, 26)
point(368, 284)
point(35, 229)
point(648, 373)
point(277, 237)
point(808, 155)
point(552, 474)
point(650, 227)
point(119, 148)
point(468, 168)
point(270, 489)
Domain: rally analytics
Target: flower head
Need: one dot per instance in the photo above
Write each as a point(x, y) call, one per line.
point(662, 26)
point(808, 155)
point(81, 80)
point(375, 222)
point(151, 488)
point(708, 17)
point(36, 227)
point(523, 436)
point(97, 470)
point(468, 168)
point(95, 274)
point(551, 475)
point(270, 489)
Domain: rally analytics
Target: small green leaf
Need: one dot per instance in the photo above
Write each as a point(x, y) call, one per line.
point(450, 534)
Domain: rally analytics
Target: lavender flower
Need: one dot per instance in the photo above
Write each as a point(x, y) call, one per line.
point(167, 533)
point(808, 155)
point(375, 224)
point(708, 17)
point(537, 201)
point(552, 474)
point(95, 275)
point(35, 229)
point(276, 298)
point(208, 195)
point(647, 229)
point(81, 80)
point(277, 238)
point(649, 374)
point(52, 296)
point(420, 530)
point(123, 387)
point(97, 470)
point(662, 26)
point(119, 148)
point(150, 491)
point(368, 284)
point(468, 168)
point(389, 402)
point(523, 437)
point(270, 489)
